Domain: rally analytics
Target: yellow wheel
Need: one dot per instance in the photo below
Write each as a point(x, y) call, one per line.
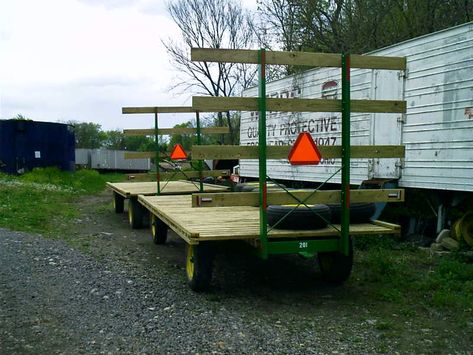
point(130, 213)
point(190, 262)
point(159, 230)
point(199, 263)
point(135, 213)
point(118, 203)
point(463, 229)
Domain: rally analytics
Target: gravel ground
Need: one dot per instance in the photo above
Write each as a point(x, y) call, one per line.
point(116, 292)
point(54, 299)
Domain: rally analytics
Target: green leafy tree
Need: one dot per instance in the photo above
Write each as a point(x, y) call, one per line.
point(186, 140)
point(88, 135)
point(141, 143)
point(114, 140)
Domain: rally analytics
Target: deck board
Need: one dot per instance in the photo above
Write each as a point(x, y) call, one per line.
point(236, 222)
point(148, 188)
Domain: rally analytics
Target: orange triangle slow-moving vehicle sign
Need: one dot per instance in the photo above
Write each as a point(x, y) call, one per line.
point(178, 152)
point(304, 151)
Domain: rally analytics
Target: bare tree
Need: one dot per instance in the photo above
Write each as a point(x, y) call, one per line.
point(211, 24)
point(278, 23)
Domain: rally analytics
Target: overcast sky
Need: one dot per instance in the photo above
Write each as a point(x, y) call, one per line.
point(84, 60)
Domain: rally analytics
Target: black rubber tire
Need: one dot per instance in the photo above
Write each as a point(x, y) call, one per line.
point(359, 212)
point(208, 180)
point(118, 202)
point(135, 213)
point(335, 266)
point(247, 188)
point(238, 187)
point(302, 218)
point(199, 266)
point(159, 230)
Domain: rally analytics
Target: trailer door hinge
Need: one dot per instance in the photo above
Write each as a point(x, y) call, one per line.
point(371, 163)
point(403, 74)
point(400, 164)
point(402, 118)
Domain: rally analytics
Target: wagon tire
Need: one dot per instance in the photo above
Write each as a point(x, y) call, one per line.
point(159, 230)
point(238, 187)
point(135, 214)
point(247, 188)
point(335, 266)
point(118, 203)
point(199, 265)
point(302, 218)
point(359, 212)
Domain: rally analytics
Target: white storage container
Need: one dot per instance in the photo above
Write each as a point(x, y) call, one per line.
point(437, 130)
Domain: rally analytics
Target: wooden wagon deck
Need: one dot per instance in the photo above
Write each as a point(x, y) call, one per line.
point(196, 224)
point(133, 189)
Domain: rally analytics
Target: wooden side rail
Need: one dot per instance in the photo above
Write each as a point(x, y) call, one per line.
point(283, 198)
point(158, 109)
point(176, 130)
point(178, 175)
point(281, 152)
point(208, 103)
point(297, 58)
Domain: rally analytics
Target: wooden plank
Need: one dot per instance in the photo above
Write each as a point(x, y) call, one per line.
point(234, 223)
point(132, 189)
point(377, 62)
point(378, 106)
point(283, 198)
point(112, 187)
point(386, 224)
point(206, 103)
point(176, 130)
point(178, 175)
point(296, 58)
point(143, 155)
point(158, 109)
point(171, 222)
point(281, 152)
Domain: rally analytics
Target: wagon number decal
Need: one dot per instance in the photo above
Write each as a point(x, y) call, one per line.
point(303, 245)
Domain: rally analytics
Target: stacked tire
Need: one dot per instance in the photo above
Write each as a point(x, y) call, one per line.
point(316, 216)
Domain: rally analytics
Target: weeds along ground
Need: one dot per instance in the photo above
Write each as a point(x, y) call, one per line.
point(35, 201)
point(400, 273)
point(387, 271)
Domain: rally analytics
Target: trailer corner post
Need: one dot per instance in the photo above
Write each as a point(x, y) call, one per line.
point(156, 140)
point(345, 191)
point(199, 141)
point(262, 153)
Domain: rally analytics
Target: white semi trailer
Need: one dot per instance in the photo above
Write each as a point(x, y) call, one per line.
point(437, 130)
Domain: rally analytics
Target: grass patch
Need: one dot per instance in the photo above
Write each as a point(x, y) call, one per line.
point(35, 201)
point(396, 272)
point(449, 284)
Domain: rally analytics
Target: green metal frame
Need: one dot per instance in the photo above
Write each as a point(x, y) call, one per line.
point(306, 247)
point(200, 162)
point(156, 142)
point(345, 188)
point(262, 153)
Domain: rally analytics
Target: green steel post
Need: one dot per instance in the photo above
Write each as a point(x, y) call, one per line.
point(156, 141)
point(345, 192)
point(262, 153)
point(197, 120)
